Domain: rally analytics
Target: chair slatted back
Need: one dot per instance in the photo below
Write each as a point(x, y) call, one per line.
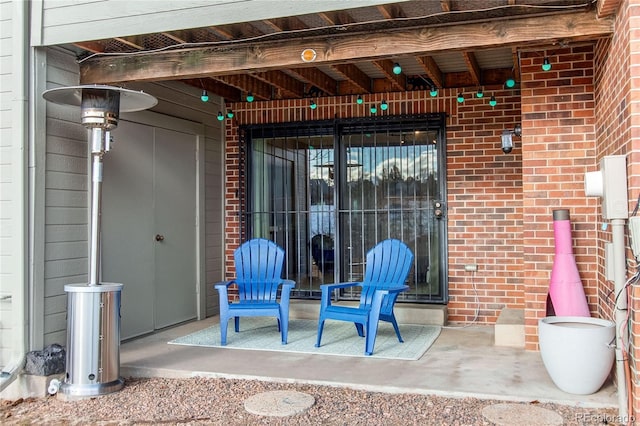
point(388, 265)
point(259, 264)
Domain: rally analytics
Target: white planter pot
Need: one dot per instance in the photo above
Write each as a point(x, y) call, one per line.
point(577, 352)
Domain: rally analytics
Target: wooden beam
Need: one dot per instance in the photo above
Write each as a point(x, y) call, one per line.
point(398, 82)
point(355, 75)
point(200, 62)
point(607, 7)
point(432, 70)
point(516, 64)
point(131, 42)
point(215, 88)
point(247, 84)
point(175, 37)
point(317, 78)
point(474, 68)
point(283, 82)
point(91, 46)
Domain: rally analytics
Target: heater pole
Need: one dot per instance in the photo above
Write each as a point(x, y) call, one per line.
point(97, 151)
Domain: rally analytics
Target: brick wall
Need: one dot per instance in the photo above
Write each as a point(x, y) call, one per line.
point(484, 186)
point(617, 92)
point(558, 122)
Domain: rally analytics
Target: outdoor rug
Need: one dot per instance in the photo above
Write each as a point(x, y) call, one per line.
point(338, 338)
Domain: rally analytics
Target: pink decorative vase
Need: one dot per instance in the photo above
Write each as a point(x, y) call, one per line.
point(566, 294)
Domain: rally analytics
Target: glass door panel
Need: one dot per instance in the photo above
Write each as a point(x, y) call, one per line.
point(328, 194)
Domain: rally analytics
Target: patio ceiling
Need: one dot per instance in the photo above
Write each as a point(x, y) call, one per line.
point(444, 44)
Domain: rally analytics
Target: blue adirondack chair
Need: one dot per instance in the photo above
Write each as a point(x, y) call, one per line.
point(259, 265)
point(386, 270)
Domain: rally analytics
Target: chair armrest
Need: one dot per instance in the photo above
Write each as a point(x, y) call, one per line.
point(287, 285)
point(338, 285)
point(222, 292)
point(222, 285)
point(327, 290)
point(398, 289)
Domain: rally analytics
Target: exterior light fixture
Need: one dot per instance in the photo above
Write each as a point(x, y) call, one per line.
point(250, 97)
point(510, 83)
point(313, 105)
point(384, 106)
point(229, 114)
point(359, 101)
point(220, 116)
point(205, 96)
point(507, 141)
point(308, 55)
point(460, 98)
point(397, 69)
point(493, 101)
point(479, 93)
point(373, 109)
point(434, 91)
point(546, 65)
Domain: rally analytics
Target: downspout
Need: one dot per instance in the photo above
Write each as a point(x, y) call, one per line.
point(19, 107)
point(620, 278)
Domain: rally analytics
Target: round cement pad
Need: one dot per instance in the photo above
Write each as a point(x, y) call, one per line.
point(279, 403)
point(521, 414)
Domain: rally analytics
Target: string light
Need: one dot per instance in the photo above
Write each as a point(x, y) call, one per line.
point(493, 101)
point(434, 91)
point(205, 96)
point(546, 65)
point(479, 93)
point(373, 109)
point(397, 69)
point(510, 82)
point(359, 101)
point(460, 98)
point(229, 114)
point(313, 105)
point(250, 97)
point(384, 106)
point(220, 116)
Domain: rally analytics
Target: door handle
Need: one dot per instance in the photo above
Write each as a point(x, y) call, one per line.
point(159, 237)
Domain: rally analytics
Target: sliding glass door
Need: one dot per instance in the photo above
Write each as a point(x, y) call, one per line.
point(328, 192)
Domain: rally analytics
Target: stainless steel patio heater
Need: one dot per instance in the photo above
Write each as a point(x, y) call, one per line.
point(93, 309)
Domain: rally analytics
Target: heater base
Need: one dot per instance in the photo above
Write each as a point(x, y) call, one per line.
point(69, 391)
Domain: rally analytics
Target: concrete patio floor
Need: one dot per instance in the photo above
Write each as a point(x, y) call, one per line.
point(463, 362)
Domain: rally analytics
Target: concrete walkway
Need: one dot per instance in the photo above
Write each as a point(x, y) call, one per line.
point(462, 362)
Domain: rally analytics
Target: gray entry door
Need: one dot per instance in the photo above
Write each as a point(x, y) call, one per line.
point(149, 226)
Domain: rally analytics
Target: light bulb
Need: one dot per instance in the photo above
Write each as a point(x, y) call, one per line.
point(230, 114)
point(479, 93)
point(460, 98)
point(359, 101)
point(205, 96)
point(220, 116)
point(510, 83)
point(433, 92)
point(373, 109)
point(384, 105)
point(493, 101)
point(313, 105)
point(250, 97)
point(546, 65)
point(397, 69)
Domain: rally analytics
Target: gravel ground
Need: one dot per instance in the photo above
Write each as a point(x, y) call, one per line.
point(197, 401)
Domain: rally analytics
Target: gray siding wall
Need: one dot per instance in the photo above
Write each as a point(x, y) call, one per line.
point(64, 21)
point(66, 197)
point(13, 116)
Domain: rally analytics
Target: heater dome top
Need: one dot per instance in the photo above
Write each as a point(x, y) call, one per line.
point(130, 100)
